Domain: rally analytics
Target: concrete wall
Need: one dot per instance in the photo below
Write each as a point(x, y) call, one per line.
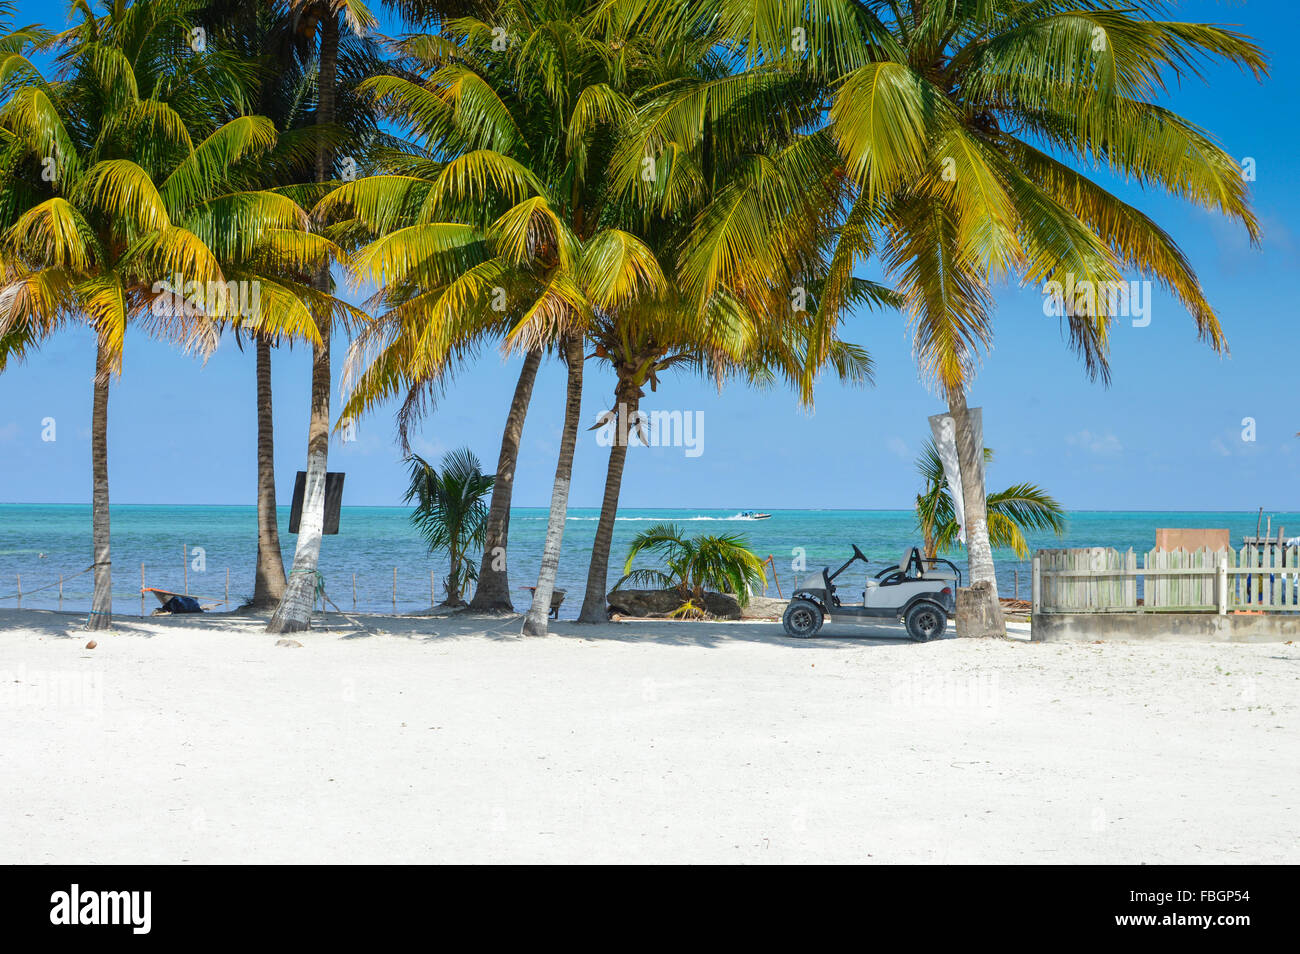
point(1169, 627)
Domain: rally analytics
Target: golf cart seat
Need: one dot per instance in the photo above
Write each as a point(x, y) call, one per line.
point(906, 564)
point(937, 573)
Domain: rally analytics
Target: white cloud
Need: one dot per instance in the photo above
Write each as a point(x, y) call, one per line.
point(431, 451)
point(1103, 445)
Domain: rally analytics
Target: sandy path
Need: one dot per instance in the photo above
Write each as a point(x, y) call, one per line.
point(450, 740)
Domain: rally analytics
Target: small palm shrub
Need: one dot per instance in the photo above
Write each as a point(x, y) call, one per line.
point(691, 565)
point(451, 512)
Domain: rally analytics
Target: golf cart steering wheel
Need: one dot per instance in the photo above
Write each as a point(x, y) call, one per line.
point(858, 554)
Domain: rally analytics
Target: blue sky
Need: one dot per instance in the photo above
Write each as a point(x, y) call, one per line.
point(1167, 434)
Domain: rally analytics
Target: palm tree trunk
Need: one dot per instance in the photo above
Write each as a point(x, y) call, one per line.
point(101, 603)
point(453, 576)
point(970, 457)
point(535, 622)
point(268, 583)
point(493, 592)
point(293, 615)
point(294, 612)
point(927, 533)
point(627, 399)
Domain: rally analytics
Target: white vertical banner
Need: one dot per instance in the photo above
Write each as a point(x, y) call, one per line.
point(945, 441)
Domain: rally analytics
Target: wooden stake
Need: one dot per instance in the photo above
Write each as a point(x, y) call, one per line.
point(185, 566)
point(354, 591)
point(394, 589)
point(433, 591)
point(141, 589)
point(60, 591)
point(227, 587)
point(775, 579)
point(1036, 585)
point(1221, 585)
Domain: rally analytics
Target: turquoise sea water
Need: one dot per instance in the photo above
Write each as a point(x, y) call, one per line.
point(40, 542)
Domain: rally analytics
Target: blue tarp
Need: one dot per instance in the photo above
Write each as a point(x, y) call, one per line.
point(182, 604)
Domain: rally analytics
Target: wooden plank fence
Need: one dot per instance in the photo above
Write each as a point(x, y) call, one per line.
point(1256, 578)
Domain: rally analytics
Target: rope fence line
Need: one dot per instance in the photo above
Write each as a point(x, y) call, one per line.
point(319, 591)
point(48, 586)
point(215, 601)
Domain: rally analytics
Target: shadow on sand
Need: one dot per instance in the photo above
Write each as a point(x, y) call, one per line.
point(467, 625)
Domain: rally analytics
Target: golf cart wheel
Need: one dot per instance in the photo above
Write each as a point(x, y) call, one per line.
point(925, 621)
point(802, 619)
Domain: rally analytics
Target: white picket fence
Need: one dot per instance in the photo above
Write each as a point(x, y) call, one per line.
point(1104, 580)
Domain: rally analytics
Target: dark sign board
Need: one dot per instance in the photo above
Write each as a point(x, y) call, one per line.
point(333, 501)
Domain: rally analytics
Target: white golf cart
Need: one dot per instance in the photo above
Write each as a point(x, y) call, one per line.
point(917, 591)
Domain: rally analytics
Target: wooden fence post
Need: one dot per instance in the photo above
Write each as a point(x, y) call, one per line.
point(1221, 587)
point(394, 590)
point(354, 591)
point(227, 588)
point(141, 589)
point(771, 561)
point(185, 565)
point(433, 590)
point(61, 593)
point(1036, 584)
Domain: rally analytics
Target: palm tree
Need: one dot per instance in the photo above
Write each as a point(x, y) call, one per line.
point(493, 589)
point(270, 38)
point(962, 127)
point(1011, 512)
point(450, 513)
point(721, 342)
point(722, 563)
point(134, 219)
point(294, 612)
point(535, 620)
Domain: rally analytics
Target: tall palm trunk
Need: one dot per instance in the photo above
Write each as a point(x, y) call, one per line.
point(101, 603)
point(268, 583)
point(294, 612)
point(453, 574)
point(493, 592)
point(927, 532)
point(535, 622)
point(970, 457)
point(627, 400)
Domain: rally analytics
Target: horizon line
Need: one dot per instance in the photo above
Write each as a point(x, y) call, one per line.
point(253, 506)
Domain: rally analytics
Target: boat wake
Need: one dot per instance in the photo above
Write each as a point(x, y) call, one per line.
point(663, 519)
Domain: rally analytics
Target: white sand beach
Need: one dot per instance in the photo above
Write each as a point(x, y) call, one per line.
point(452, 740)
